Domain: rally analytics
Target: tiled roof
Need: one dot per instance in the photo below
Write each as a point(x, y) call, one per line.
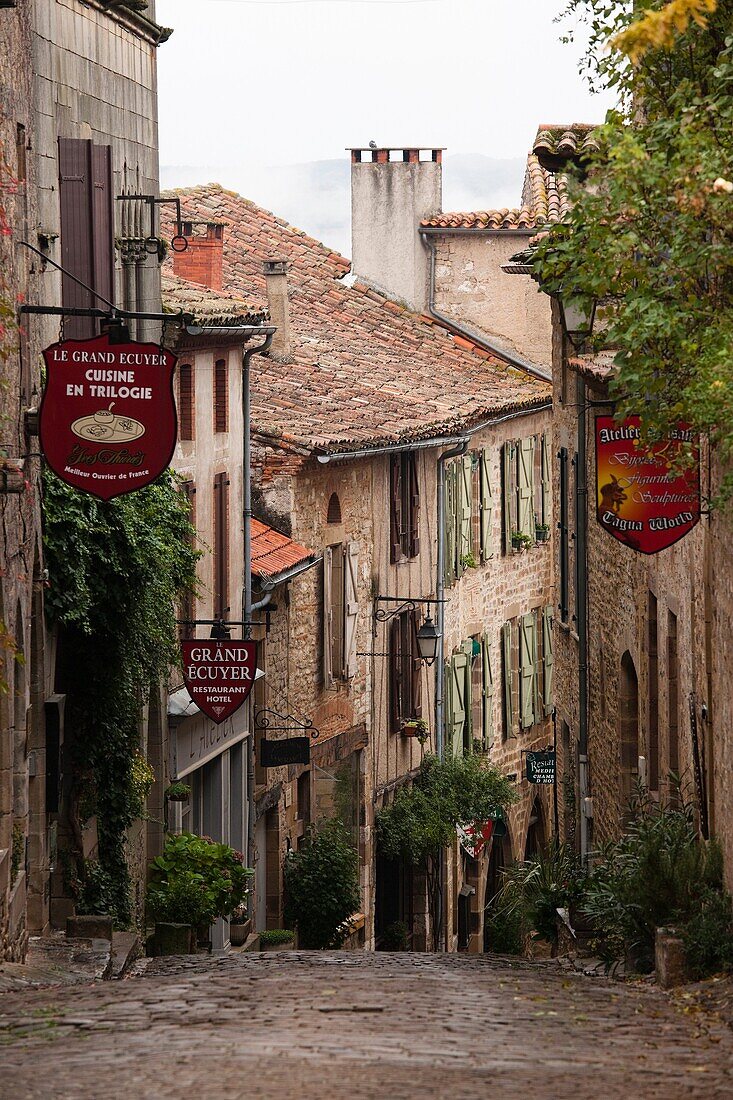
point(544, 199)
point(208, 307)
point(273, 553)
point(554, 145)
point(600, 367)
point(365, 371)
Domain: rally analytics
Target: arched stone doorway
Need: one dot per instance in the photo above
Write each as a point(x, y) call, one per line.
point(628, 729)
point(500, 857)
point(536, 831)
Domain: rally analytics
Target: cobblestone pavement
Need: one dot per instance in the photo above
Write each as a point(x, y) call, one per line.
point(357, 1025)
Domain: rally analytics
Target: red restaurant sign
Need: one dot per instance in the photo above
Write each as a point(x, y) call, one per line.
point(108, 417)
point(642, 501)
point(219, 675)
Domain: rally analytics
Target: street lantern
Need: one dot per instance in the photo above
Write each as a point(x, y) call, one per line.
point(427, 641)
point(578, 316)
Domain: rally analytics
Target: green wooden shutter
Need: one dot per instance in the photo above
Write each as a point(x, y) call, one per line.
point(327, 640)
point(485, 504)
point(546, 480)
point(525, 487)
point(506, 645)
point(527, 668)
point(447, 705)
point(548, 659)
point(507, 490)
point(487, 712)
point(464, 472)
point(458, 701)
point(450, 524)
point(468, 731)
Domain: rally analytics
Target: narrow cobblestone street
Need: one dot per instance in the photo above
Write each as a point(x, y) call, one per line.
point(358, 1025)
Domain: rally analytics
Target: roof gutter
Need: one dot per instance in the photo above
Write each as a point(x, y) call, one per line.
point(477, 231)
point(288, 575)
point(245, 331)
point(470, 334)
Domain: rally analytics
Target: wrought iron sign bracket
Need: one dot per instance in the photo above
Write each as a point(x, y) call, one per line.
point(265, 719)
point(179, 243)
point(384, 614)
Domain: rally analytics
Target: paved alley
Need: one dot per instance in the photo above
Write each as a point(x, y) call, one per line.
point(358, 1025)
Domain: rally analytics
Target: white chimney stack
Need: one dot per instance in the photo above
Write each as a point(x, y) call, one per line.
point(276, 282)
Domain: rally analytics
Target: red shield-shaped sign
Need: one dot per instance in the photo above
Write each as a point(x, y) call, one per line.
point(108, 418)
point(219, 675)
point(474, 838)
point(643, 499)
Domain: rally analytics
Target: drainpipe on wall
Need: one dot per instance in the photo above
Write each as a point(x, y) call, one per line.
point(581, 610)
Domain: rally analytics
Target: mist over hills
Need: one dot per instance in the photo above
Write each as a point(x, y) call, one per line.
point(315, 196)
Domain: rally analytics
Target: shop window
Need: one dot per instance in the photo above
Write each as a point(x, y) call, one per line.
point(87, 230)
point(405, 670)
point(340, 611)
point(221, 396)
point(404, 508)
point(186, 401)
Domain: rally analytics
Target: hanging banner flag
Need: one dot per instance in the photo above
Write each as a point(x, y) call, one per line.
point(643, 500)
point(107, 422)
point(474, 838)
point(219, 675)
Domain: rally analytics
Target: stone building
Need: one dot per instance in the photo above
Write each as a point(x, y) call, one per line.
point(355, 413)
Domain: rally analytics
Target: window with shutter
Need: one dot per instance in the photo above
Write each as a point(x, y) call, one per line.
point(414, 524)
point(395, 507)
point(186, 404)
point(487, 732)
point(545, 479)
point(221, 546)
point(564, 549)
point(188, 604)
point(396, 668)
point(221, 396)
point(87, 230)
point(459, 709)
point(506, 655)
point(525, 487)
point(508, 494)
point(404, 506)
point(450, 524)
point(327, 617)
point(351, 607)
point(527, 669)
point(485, 503)
point(338, 592)
point(464, 471)
point(547, 660)
point(415, 667)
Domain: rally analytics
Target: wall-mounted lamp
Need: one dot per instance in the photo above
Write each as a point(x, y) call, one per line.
point(578, 317)
point(427, 641)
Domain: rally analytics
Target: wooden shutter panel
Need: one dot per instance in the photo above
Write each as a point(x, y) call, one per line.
point(506, 645)
point(527, 669)
point(351, 607)
point(563, 526)
point(186, 400)
point(221, 546)
point(485, 504)
point(188, 604)
point(548, 660)
point(395, 674)
point(450, 524)
point(415, 667)
point(447, 704)
point(327, 616)
point(464, 472)
point(468, 731)
point(458, 701)
point(546, 480)
point(102, 202)
point(507, 489)
point(487, 711)
point(525, 487)
point(395, 507)
point(414, 548)
point(77, 254)
point(220, 396)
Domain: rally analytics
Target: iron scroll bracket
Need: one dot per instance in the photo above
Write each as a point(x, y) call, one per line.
point(272, 721)
point(410, 603)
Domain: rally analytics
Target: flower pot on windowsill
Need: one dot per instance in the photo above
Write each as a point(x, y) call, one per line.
point(178, 792)
point(415, 727)
point(520, 542)
point(542, 534)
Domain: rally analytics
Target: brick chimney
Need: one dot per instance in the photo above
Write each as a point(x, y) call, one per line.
point(391, 191)
point(276, 281)
point(202, 260)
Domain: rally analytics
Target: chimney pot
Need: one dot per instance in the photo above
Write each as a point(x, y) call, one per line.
point(276, 283)
point(203, 259)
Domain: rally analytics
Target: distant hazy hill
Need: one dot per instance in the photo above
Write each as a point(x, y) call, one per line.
point(315, 196)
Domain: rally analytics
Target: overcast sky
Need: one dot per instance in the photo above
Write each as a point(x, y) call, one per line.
point(249, 84)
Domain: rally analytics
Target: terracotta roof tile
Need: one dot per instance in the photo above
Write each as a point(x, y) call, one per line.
point(208, 307)
point(365, 372)
point(555, 145)
point(600, 367)
point(274, 553)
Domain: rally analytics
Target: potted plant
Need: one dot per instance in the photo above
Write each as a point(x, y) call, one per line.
point(520, 541)
point(468, 561)
point(277, 939)
point(240, 925)
point(541, 531)
point(416, 727)
point(178, 792)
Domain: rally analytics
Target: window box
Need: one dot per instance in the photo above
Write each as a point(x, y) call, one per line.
point(520, 542)
point(415, 727)
point(542, 532)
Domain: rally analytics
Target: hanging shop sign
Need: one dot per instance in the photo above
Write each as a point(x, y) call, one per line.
point(219, 675)
point(540, 767)
point(289, 750)
point(107, 422)
point(644, 501)
point(474, 838)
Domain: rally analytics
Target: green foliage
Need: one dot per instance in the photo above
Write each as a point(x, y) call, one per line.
point(273, 936)
point(468, 561)
point(650, 233)
point(322, 886)
point(503, 931)
point(533, 891)
point(195, 881)
point(394, 937)
point(94, 891)
point(142, 778)
point(116, 571)
point(178, 791)
point(655, 876)
point(708, 935)
point(17, 852)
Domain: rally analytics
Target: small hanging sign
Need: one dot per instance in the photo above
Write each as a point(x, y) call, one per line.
point(107, 422)
point(290, 750)
point(475, 837)
point(643, 501)
point(540, 767)
point(219, 675)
